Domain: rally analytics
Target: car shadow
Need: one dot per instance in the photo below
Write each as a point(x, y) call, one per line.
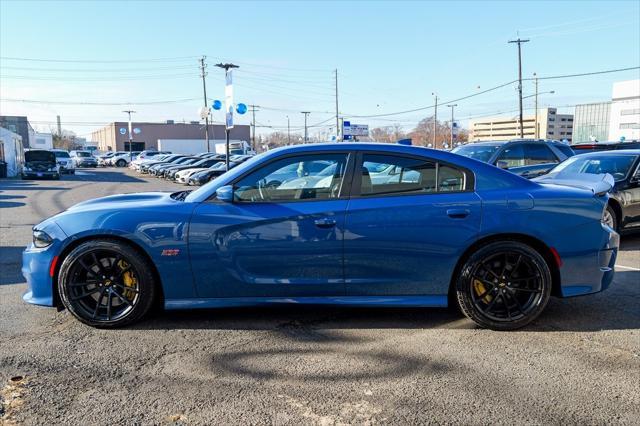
point(102, 175)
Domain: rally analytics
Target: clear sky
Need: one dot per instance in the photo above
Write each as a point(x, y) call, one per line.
point(390, 57)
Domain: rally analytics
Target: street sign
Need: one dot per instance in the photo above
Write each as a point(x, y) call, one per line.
point(349, 129)
point(228, 99)
point(136, 131)
point(122, 131)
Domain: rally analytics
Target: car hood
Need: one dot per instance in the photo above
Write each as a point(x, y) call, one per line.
point(123, 201)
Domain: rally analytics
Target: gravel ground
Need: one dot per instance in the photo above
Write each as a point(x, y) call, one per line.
point(579, 363)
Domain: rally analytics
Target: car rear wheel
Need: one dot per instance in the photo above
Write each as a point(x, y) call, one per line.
point(106, 284)
point(121, 163)
point(504, 285)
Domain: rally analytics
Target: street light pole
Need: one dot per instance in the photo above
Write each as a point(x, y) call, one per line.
point(452, 106)
point(306, 113)
point(226, 68)
point(519, 41)
point(288, 131)
point(130, 132)
point(535, 76)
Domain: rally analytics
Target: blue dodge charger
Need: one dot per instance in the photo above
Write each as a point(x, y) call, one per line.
point(342, 224)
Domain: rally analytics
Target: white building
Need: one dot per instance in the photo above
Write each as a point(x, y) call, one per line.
point(11, 151)
point(547, 124)
point(624, 121)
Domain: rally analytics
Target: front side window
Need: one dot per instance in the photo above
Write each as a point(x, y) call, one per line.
point(387, 174)
point(304, 177)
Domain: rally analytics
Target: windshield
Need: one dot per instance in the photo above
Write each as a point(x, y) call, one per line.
point(61, 154)
point(477, 152)
point(617, 166)
point(83, 154)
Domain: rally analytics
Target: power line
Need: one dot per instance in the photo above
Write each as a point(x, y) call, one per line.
point(100, 61)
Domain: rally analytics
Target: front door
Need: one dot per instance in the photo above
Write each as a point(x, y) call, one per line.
point(281, 236)
point(408, 222)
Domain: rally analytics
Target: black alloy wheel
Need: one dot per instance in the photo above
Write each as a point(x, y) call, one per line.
point(504, 285)
point(105, 283)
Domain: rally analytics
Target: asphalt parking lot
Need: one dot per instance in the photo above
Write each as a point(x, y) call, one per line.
point(578, 363)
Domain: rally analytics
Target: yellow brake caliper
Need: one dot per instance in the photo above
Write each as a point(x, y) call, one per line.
point(128, 279)
point(480, 290)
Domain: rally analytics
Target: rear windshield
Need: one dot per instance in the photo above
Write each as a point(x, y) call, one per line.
point(61, 154)
point(477, 152)
point(617, 166)
point(39, 156)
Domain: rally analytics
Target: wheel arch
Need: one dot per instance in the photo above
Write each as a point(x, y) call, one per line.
point(65, 252)
point(544, 250)
point(617, 210)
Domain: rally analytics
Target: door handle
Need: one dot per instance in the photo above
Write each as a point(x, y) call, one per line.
point(325, 223)
point(458, 213)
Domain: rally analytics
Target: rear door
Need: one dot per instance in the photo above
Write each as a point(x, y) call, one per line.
point(408, 221)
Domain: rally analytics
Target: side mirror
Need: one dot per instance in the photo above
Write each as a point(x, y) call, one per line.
point(225, 193)
point(502, 164)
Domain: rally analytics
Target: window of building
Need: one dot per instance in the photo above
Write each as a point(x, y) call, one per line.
point(552, 119)
point(629, 126)
point(630, 111)
point(551, 126)
point(304, 177)
point(388, 174)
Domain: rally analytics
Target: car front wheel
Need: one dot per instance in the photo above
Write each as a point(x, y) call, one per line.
point(106, 283)
point(504, 285)
point(121, 163)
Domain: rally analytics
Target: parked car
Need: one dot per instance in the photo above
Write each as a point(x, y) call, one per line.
point(159, 169)
point(200, 178)
point(139, 162)
point(40, 163)
point(205, 163)
point(623, 208)
point(145, 167)
point(65, 161)
point(83, 159)
point(123, 159)
point(497, 245)
point(604, 146)
point(103, 160)
point(528, 158)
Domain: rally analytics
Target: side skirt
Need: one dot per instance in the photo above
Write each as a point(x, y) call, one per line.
point(439, 301)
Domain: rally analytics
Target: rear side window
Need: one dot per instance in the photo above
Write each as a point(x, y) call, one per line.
point(513, 155)
point(565, 149)
point(387, 174)
point(537, 153)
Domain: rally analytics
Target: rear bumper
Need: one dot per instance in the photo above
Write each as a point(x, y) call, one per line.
point(590, 272)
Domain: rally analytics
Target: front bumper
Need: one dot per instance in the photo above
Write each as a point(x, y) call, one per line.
point(39, 174)
point(87, 164)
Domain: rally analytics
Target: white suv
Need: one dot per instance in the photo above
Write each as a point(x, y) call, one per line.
point(65, 161)
point(122, 160)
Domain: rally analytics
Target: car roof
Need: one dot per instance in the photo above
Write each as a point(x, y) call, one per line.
point(611, 152)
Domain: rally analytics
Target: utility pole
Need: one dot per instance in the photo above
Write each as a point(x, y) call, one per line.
point(226, 68)
point(130, 132)
point(520, 41)
point(59, 127)
point(435, 121)
point(253, 137)
point(288, 131)
point(306, 113)
point(203, 74)
point(337, 121)
point(536, 82)
point(452, 106)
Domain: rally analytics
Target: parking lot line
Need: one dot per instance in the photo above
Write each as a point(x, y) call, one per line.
point(627, 267)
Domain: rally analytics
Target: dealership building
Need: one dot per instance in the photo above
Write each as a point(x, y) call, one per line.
point(547, 125)
point(115, 136)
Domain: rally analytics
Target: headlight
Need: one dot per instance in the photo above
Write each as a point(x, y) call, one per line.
point(27, 169)
point(41, 239)
point(52, 169)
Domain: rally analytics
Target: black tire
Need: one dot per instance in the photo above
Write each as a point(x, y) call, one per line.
point(520, 285)
point(56, 177)
point(610, 217)
point(72, 172)
point(106, 268)
point(121, 163)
